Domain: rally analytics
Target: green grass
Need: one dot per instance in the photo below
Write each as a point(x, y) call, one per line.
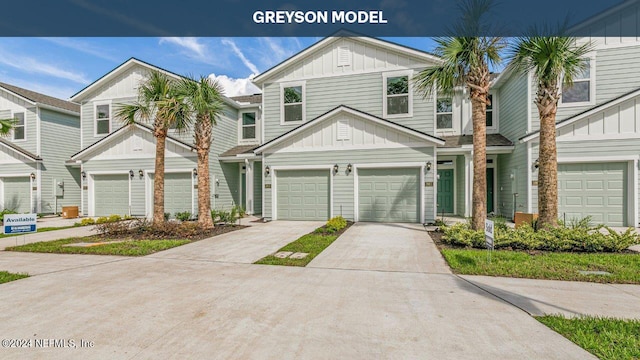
point(624, 268)
point(609, 339)
point(6, 276)
point(126, 248)
point(44, 229)
point(313, 244)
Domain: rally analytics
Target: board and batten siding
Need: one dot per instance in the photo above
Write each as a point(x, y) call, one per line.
point(343, 183)
point(9, 104)
point(60, 140)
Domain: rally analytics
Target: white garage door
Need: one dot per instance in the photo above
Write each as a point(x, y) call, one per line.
point(17, 194)
point(598, 190)
point(111, 194)
point(303, 195)
point(389, 195)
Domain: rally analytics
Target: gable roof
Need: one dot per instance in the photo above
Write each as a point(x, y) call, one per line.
point(579, 116)
point(38, 98)
point(350, 110)
point(456, 141)
point(112, 135)
point(251, 99)
point(261, 78)
point(20, 150)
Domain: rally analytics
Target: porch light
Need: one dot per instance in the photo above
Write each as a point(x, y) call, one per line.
point(33, 176)
point(141, 173)
point(335, 168)
point(429, 165)
point(83, 174)
point(131, 174)
point(536, 164)
point(217, 182)
point(195, 172)
point(349, 168)
point(267, 169)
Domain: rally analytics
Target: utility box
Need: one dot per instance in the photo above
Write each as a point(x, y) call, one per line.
point(69, 212)
point(521, 218)
point(58, 187)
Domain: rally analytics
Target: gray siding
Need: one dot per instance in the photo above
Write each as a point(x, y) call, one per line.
point(343, 184)
point(512, 102)
point(512, 164)
point(225, 136)
point(60, 140)
point(362, 92)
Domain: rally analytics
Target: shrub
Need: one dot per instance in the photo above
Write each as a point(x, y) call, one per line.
point(5, 212)
point(85, 222)
point(167, 216)
point(183, 216)
point(335, 224)
point(114, 218)
point(102, 220)
point(223, 216)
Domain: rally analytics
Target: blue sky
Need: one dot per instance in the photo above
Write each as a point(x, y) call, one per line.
point(62, 66)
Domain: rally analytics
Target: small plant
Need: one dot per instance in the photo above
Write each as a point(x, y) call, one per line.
point(85, 222)
point(335, 224)
point(6, 212)
point(439, 223)
point(102, 220)
point(183, 216)
point(114, 218)
point(167, 216)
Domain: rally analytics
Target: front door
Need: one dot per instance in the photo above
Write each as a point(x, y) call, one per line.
point(445, 191)
point(490, 187)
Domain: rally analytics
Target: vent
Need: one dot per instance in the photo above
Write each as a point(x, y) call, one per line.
point(344, 56)
point(343, 129)
point(136, 143)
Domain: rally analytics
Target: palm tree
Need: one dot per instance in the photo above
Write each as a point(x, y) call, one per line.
point(466, 61)
point(157, 102)
point(204, 100)
point(553, 61)
point(5, 126)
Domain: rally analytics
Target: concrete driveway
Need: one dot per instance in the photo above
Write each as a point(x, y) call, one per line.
point(383, 247)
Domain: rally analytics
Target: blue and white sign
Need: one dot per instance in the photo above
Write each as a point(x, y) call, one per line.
point(20, 223)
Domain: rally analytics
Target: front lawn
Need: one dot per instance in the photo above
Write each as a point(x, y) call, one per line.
point(609, 339)
point(128, 247)
point(6, 276)
point(44, 229)
point(624, 268)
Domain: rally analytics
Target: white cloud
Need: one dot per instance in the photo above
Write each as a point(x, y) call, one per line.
point(189, 43)
point(240, 54)
point(236, 87)
point(60, 92)
point(33, 66)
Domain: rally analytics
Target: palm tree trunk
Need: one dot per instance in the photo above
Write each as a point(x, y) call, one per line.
point(548, 170)
point(158, 182)
point(203, 134)
point(479, 207)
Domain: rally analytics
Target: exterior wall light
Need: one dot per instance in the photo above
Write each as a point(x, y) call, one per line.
point(33, 176)
point(429, 165)
point(195, 172)
point(267, 169)
point(141, 173)
point(131, 174)
point(536, 163)
point(336, 168)
point(217, 182)
point(349, 168)
point(83, 174)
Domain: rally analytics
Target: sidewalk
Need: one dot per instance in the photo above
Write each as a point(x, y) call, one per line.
point(569, 298)
point(45, 236)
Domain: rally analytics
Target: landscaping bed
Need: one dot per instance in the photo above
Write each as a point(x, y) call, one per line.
point(6, 276)
point(608, 339)
point(312, 244)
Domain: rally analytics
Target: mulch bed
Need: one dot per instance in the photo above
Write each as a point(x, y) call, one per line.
point(321, 231)
point(169, 231)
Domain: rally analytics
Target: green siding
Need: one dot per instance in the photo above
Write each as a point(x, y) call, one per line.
point(389, 195)
point(303, 194)
point(343, 183)
point(512, 179)
point(225, 136)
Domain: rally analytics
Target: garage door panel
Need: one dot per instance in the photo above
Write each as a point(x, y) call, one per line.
point(388, 195)
point(111, 193)
point(302, 194)
point(593, 189)
point(177, 192)
point(17, 194)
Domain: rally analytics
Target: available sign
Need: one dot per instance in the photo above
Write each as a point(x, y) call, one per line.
point(20, 223)
point(488, 233)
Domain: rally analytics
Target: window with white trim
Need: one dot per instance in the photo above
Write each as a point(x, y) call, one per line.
point(489, 113)
point(19, 132)
point(444, 113)
point(248, 131)
point(293, 103)
point(581, 89)
point(397, 95)
point(103, 119)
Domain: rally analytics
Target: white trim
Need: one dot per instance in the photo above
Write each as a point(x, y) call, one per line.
point(634, 187)
point(494, 166)
point(57, 109)
point(352, 147)
point(592, 86)
point(95, 117)
point(274, 182)
point(401, 73)
point(455, 188)
point(595, 159)
point(529, 179)
point(241, 126)
point(24, 126)
point(82, 191)
point(599, 137)
point(428, 138)
point(468, 181)
point(434, 175)
point(39, 190)
point(491, 150)
point(284, 85)
point(495, 120)
point(242, 196)
point(529, 101)
point(91, 187)
point(81, 128)
point(262, 78)
point(263, 115)
point(38, 131)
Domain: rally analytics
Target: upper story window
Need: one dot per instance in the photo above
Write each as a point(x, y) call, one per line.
point(248, 131)
point(581, 91)
point(293, 103)
point(103, 119)
point(444, 113)
point(397, 95)
point(489, 117)
point(19, 126)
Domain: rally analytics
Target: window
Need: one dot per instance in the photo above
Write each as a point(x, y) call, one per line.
point(489, 120)
point(18, 126)
point(444, 114)
point(248, 126)
point(293, 108)
point(103, 119)
point(580, 90)
point(397, 95)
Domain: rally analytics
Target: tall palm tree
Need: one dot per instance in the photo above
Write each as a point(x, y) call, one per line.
point(204, 100)
point(553, 61)
point(157, 103)
point(5, 126)
point(466, 61)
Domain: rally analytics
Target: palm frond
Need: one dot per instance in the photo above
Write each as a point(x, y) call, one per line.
point(6, 125)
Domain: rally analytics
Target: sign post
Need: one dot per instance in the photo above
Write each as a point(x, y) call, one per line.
point(20, 224)
point(489, 236)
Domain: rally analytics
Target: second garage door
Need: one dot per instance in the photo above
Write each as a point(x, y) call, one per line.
point(593, 189)
point(17, 194)
point(303, 195)
point(177, 193)
point(111, 195)
point(389, 195)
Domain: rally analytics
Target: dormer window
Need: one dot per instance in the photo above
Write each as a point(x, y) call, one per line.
point(19, 126)
point(397, 95)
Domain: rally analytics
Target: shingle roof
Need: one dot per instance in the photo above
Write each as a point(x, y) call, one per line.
point(237, 150)
point(17, 148)
point(42, 98)
point(460, 140)
point(251, 99)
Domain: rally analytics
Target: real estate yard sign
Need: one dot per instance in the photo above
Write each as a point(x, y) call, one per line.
point(488, 234)
point(20, 223)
